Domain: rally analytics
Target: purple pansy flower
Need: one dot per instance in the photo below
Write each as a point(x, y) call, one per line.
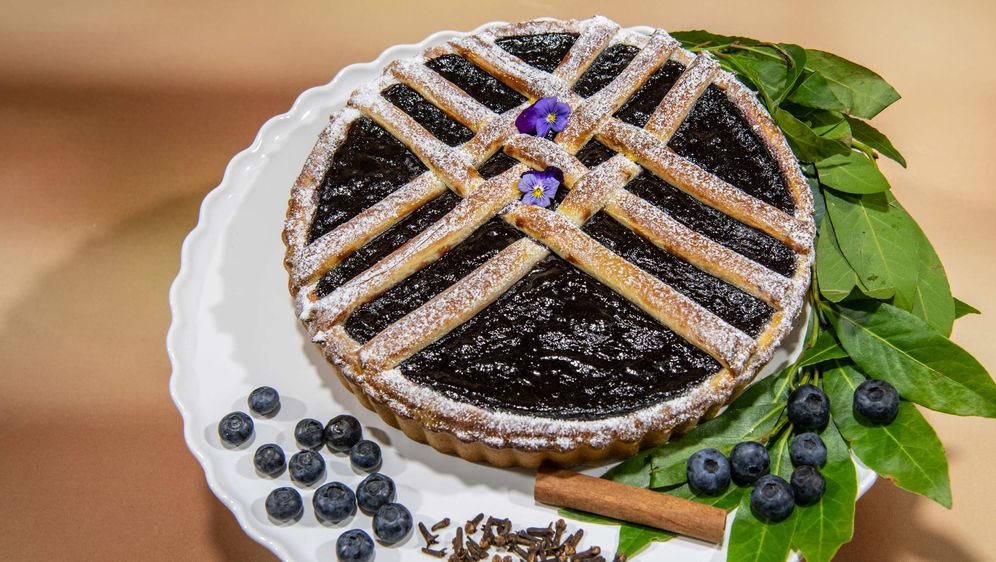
point(540, 117)
point(539, 188)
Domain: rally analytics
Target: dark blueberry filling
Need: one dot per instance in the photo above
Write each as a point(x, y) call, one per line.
point(641, 105)
point(560, 344)
point(716, 136)
point(594, 153)
point(740, 309)
point(495, 165)
point(480, 85)
point(544, 51)
point(378, 248)
point(369, 165)
point(609, 64)
point(484, 243)
point(725, 230)
point(444, 127)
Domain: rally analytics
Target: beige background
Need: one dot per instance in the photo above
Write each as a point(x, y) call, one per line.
point(117, 117)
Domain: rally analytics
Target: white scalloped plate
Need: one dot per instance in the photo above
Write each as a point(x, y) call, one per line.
point(234, 329)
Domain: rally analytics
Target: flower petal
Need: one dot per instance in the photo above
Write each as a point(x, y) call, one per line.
point(529, 181)
point(542, 127)
point(526, 121)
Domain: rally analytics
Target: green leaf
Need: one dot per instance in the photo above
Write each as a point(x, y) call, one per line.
point(634, 471)
point(753, 540)
point(806, 144)
point(907, 451)
point(931, 299)
point(827, 525)
point(814, 91)
point(727, 500)
point(862, 92)
point(852, 173)
point(874, 234)
point(963, 309)
point(796, 59)
point(819, 203)
point(749, 417)
point(825, 349)
point(925, 367)
point(634, 538)
point(829, 125)
point(765, 75)
point(699, 38)
point(835, 276)
point(865, 133)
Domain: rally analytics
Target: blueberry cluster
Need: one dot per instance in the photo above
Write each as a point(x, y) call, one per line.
point(333, 502)
point(772, 498)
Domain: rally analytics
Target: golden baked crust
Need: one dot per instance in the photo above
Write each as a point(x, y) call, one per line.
point(501, 438)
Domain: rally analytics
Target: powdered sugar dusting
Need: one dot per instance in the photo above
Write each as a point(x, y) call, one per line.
point(673, 109)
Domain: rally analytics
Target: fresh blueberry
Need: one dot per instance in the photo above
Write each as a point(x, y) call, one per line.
point(808, 449)
point(354, 546)
point(876, 401)
point(309, 433)
point(392, 523)
point(334, 503)
point(748, 462)
point(808, 408)
point(808, 485)
point(342, 432)
point(771, 498)
point(235, 428)
point(284, 504)
point(375, 491)
point(306, 467)
point(365, 455)
point(264, 401)
point(269, 460)
point(708, 472)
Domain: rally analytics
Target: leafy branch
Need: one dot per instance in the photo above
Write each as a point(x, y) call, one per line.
point(881, 308)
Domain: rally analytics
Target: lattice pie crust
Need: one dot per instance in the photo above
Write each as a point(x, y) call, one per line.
point(370, 369)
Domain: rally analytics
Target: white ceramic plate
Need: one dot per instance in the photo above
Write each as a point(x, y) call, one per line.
point(234, 329)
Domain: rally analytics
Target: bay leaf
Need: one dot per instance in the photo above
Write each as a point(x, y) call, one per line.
point(753, 540)
point(962, 308)
point(889, 343)
point(814, 91)
point(874, 235)
point(852, 173)
point(834, 275)
point(863, 92)
point(806, 144)
point(862, 131)
point(824, 349)
point(634, 538)
point(827, 525)
point(907, 451)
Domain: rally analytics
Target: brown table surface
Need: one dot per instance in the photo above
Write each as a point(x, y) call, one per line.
point(117, 117)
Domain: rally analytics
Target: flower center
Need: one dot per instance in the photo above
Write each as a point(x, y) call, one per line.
point(537, 192)
point(551, 117)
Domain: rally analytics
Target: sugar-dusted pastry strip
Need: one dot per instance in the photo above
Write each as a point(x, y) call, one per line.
point(452, 307)
point(654, 154)
point(771, 135)
point(680, 99)
point(304, 193)
point(705, 330)
point(316, 259)
point(511, 70)
point(541, 153)
point(590, 113)
point(454, 166)
point(598, 187)
point(701, 251)
point(470, 213)
point(595, 35)
point(440, 91)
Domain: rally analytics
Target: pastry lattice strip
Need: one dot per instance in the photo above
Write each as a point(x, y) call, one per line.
point(456, 167)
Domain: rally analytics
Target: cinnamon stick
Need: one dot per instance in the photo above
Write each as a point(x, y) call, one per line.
point(564, 488)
